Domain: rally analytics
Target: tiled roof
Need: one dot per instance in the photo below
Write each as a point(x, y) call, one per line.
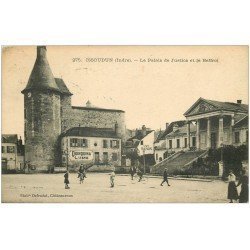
point(139, 135)
point(9, 138)
point(241, 122)
point(182, 130)
point(170, 129)
point(217, 105)
point(229, 105)
point(98, 109)
point(91, 132)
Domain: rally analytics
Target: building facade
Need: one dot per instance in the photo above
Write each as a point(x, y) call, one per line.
point(12, 153)
point(48, 113)
point(97, 148)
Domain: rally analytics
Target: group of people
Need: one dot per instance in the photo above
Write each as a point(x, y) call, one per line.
point(232, 187)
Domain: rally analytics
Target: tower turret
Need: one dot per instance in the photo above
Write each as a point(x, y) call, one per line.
point(42, 115)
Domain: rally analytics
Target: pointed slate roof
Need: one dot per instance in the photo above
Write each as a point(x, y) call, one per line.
point(41, 77)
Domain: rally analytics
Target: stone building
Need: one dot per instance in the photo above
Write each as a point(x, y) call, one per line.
point(48, 113)
point(99, 148)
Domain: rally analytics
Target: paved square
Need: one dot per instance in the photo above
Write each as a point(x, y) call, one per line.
point(96, 188)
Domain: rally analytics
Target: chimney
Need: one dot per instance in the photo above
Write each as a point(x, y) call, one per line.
point(144, 130)
point(167, 124)
point(41, 51)
point(88, 104)
point(116, 128)
point(239, 101)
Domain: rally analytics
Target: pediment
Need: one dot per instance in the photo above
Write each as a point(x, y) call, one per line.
point(200, 107)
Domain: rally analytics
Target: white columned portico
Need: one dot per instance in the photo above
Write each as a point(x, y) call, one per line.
point(198, 134)
point(188, 135)
point(208, 132)
point(221, 131)
point(231, 129)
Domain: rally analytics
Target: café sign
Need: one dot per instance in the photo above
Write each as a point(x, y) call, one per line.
point(81, 155)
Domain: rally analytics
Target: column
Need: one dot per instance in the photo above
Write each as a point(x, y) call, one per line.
point(188, 135)
point(221, 132)
point(198, 134)
point(208, 133)
point(231, 130)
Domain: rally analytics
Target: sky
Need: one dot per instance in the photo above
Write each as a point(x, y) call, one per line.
point(152, 84)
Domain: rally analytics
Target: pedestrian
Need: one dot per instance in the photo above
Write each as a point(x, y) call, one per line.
point(232, 193)
point(140, 174)
point(165, 177)
point(243, 181)
point(112, 179)
point(66, 180)
point(132, 172)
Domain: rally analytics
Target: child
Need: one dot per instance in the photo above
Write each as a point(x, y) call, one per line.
point(66, 180)
point(112, 179)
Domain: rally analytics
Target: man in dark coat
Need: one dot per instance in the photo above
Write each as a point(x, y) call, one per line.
point(66, 180)
point(243, 181)
point(165, 177)
point(132, 172)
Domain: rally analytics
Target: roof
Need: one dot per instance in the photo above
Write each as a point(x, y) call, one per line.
point(170, 129)
point(9, 138)
point(139, 135)
point(217, 105)
point(243, 122)
point(41, 77)
point(98, 109)
point(182, 131)
point(91, 132)
point(62, 86)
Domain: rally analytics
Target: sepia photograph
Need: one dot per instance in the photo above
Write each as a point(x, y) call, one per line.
point(124, 124)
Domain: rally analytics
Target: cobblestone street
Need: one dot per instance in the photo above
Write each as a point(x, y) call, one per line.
point(50, 188)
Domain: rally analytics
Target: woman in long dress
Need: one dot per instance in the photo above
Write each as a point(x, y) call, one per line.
point(243, 181)
point(232, 190)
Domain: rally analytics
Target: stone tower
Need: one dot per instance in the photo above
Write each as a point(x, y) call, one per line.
point(42, 117)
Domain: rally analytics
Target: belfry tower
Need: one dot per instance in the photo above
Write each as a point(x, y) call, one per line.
point(41, 115)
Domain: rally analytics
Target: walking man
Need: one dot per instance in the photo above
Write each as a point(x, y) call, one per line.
point(165, 177)
point(132, 172)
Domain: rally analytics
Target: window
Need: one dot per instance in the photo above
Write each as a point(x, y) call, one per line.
point(74, 142)
point(156, 156)
point(83, 143)
point(178, 143)
point(97, 157)
point(114, 144)
point(237, 137)
point(185, 142)
point(141, 142)
point(170, 144)
point(247, 136)
point(10, 149)
point(105, 143)
point(3, 149)
point(105, 157)
point(114, 156)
